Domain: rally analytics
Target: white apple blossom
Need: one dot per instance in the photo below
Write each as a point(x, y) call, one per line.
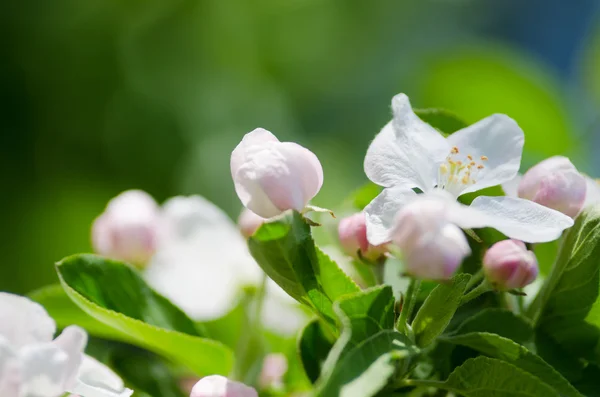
point(220, 386)
point(34, 365)
point(408, 153)
point(271, 176)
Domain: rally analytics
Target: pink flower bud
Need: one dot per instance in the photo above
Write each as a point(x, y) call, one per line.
point(249, 222)
point(352, 232)
point(271, 176)
point(508, 264)
point(555, 183)
point(220, 386)
point(432, 248)
point(274, 368)
point(128, 229)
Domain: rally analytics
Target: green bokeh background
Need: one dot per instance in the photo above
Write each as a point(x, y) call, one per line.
point(100, 96)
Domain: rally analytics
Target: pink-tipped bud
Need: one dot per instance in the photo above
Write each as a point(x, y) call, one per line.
point(271, 176)
point(555, 183)
point(432, 248)
point(128, 229)
point(508, 264)
point(220, 386)
point(249, 222)
point(274, 368)
point(352, 232)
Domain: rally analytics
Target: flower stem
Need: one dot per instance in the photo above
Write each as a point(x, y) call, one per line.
point(475, 279)
point(410, 299)
point(475, 292)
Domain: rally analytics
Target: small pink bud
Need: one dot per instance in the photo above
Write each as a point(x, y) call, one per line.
point(271, 176)
point(128, 229)
point(220, 386)
point(555, 183)
point(352, 232)
point(508, 264)
point(432, 248)
point(249, 222)
point(274, 368)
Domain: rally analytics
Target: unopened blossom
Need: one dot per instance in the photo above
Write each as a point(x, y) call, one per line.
point(409, 153)
point(220, 386)
point(432, 247)
point(508, 264)
point(352, 232)
point(555, 183)
point(249, 222)
point(271, 176)
point(128, 229)
point(274, 368)
point(32, 364)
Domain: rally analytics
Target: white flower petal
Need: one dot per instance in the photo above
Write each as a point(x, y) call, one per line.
point(407, 150)
point(258, 136)
point(500, 139)
point(23, 321)
point(72, 341)
point(280, 312)
point(381, 213)
point(593, 191)
point(517, 218)
point(44, 370)
point(511, 188)
point(9, 370)
point(97, 380)
point(85, 390)
point(205, 263)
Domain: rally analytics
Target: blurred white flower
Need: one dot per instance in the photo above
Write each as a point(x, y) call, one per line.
point(271, 176)
point(128, 228)
point(34, 365)
point(273, 370)
point(220, 386)
point(408, 153)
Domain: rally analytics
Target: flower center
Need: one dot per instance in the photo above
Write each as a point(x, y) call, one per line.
point(459, 171)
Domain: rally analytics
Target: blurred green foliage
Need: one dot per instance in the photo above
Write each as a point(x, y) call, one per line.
point(104, 95)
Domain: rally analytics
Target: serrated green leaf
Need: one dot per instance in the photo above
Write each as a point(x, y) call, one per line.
point(114, 294)
point(488, 377)
point(286, 251)
point(441, 119)
point(505, 349)
point(361, 364)
point(436, 312)
point(498, 321)
point(313, 347)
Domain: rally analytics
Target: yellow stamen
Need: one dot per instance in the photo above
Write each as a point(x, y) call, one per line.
point(484, 158)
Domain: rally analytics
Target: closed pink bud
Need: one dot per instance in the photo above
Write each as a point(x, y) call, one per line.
point(274, 368)
point(432, 248)
point(128, 229)
point(508, 264)
point(555, 183)
point(220, 386)
point(249, 222)
point(271, 176)
point(352, 232)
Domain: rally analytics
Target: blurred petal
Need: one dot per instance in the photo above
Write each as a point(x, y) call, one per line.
point(499, 140)
point(406, 151)
point(511, 188)
point(44, 370)
point(72, 341)
point(517, 218)
point(593, 191)
point(381, 213)
point(23, 321)
point(206, 262)
point(97, 380)
point(280, 312)
point(9, 370)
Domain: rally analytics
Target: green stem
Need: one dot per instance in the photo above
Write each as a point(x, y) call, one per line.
point(408, 306)
point(475, 292)
point(475, 279)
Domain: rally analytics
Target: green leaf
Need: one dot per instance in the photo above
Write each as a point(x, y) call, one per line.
point(488, 377)
point(286, 251)
point(505, 349)
point(443, 120)
point(438, 309)
point(362, 196)
point(498, 321)
point(114, 294)
point(570, 292)
point(313, 347)
point(369, 351)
